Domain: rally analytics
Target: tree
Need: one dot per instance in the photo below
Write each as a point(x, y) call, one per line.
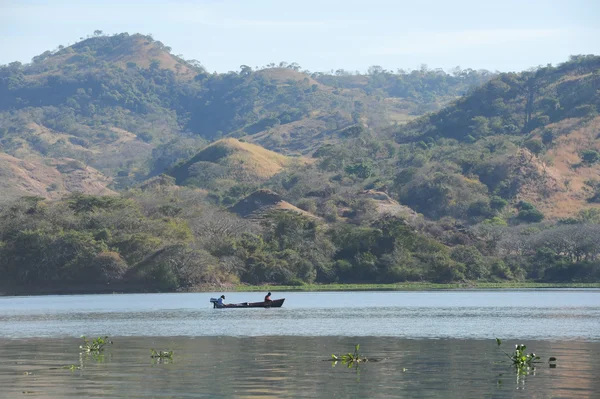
point(476, 268)
point(528, 213)
point(534, 145)
point(590, 157)
point(362, 169)
point(245, 70)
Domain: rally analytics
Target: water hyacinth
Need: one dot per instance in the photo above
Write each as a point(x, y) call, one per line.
point(520, 358)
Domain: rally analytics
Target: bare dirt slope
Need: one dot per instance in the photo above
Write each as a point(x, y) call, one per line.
point(49, 179)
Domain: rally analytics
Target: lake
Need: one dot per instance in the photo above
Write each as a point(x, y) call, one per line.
point(426, 343)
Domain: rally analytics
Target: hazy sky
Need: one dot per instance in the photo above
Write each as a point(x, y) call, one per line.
point(320, 35)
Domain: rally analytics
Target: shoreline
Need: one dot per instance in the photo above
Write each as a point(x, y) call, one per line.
point(410, 286)
point(125, 289)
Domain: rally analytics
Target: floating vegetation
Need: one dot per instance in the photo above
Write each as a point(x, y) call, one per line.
point(522, 361)
point(94, 346)
point(161, 356)
point(519, 358)
point(349, 359)
point(72, 367)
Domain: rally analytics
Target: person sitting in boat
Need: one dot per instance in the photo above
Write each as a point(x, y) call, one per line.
point(268, 298)
point(220, 303)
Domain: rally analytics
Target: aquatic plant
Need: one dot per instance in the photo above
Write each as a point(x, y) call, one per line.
point(520, 358)
point(94, 346)
point(72, 367)
point(161, 354)
point(349, 358)
point(524, 362)
point(159, 357)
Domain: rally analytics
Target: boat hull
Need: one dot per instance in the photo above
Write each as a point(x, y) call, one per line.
point(276, 303)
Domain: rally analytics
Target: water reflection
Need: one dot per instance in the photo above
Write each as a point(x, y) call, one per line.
point(291, 367)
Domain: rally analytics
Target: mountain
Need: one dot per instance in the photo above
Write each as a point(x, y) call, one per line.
point(99, 52)
point(126, 106)
point(527, 137)
point(122, 164)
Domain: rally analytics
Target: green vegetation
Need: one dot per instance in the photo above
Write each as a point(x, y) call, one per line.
point(95, 346)
point(166, 239)
point(161, 357)
point(519, 358)
point(413, 286)
point(483, 189)
point(349, 359)
point(524, 362)
point(161, 354)
point(126, 106)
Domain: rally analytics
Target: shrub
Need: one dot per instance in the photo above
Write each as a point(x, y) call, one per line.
point(475, 265)
point(589, 157)
point(498, 203)
point(530, 215)
point(108, 267)
point(534, 145)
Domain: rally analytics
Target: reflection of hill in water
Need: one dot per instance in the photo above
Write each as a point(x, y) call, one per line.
point(282, 367)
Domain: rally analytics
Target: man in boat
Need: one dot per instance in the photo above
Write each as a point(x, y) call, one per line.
point(220, 303)
point(268, 298)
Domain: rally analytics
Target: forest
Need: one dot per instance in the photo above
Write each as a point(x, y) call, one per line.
point(128, 168)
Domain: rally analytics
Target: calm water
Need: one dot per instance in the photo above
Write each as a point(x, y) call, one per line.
point(523, 314)
point(430, 344)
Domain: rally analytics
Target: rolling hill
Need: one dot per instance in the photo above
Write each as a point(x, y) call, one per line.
point(522, 137)
point(233, 160)
point(119, 160)
point(128, 107)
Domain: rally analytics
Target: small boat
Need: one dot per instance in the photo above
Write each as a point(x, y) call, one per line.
point(275, 303)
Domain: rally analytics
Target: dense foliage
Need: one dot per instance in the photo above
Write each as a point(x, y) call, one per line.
point(165, 239)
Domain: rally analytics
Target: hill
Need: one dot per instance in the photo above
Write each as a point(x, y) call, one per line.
point(261, 203)
point(99, 52)
point(232, 160)
point(522, 137)
point(126, 106)
point(389, 176)
point(53, 179)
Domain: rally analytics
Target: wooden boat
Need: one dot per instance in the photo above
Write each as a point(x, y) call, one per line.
point(275, 303)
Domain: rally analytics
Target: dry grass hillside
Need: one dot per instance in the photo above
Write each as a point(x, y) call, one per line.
point(233, 159)
point(49, 179)
point(558, 186)
point(283, 75)
point(262, 202)
point(304, 136)
point(138, 49)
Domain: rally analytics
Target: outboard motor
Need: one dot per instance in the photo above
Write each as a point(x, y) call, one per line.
point(214, 302)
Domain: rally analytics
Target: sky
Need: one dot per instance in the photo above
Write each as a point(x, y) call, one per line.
point(319, 35)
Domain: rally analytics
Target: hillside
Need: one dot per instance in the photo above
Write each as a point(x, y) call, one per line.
point(98, 52)
point(126, 106)
point(388, 176)
point(53, 179)
point(261, 203)
point(230, 161)
point(521, 137)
